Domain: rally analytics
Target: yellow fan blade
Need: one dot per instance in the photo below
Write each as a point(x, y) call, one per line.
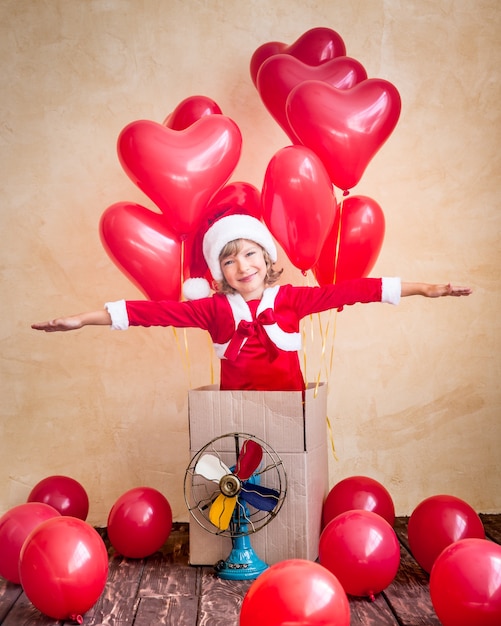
point(221, 511)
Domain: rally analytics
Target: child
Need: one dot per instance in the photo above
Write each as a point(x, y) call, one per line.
point(253, 323)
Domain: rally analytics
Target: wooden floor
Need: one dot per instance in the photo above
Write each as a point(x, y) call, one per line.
point(164, 589)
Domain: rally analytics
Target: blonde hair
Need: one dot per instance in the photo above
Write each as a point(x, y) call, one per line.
point(233, 247)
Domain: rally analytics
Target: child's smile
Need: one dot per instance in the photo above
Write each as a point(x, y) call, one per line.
point(245, 271)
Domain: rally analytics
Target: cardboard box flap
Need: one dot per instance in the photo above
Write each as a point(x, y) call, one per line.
point(280, 418)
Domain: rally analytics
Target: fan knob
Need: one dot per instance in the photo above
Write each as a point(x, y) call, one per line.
point(230, 485)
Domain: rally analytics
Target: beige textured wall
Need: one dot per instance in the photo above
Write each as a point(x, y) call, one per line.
point(414, 391)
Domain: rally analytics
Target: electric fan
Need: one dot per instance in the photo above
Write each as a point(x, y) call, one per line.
point(234, 486)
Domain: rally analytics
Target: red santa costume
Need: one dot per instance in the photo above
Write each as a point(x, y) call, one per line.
point(257, 340)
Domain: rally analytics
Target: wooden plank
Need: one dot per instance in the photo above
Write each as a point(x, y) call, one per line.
point(177, 545)
point(164, 589)
point(409, 595)
point(220, 600)
point(363, 612)
point(180, 610)
point(492, 526)
point(9, 593)
point(400, 527)
point(118, 602)
point(122, 569)
point(23, 613)
point(163, 578)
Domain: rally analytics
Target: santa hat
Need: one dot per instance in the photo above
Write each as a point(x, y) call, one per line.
point(233, 224)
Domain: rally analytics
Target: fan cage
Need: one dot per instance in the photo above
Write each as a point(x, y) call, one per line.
point(199, 492)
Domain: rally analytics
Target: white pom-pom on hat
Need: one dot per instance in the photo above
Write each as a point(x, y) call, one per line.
point(196, 288)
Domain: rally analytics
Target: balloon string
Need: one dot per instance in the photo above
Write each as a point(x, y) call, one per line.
point(181, 273)
point(303, 340)
point(303, 333)
point(184, 357)
point(323, 337)
point(187, 352)
point(331, 362)
point(334, 329)
point(211, 358)
point(338, 240)
point(331, 438)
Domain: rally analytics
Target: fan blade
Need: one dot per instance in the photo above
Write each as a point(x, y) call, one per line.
point(261, 498)
point(249, 459)
point(221, 511)
point(211, 468)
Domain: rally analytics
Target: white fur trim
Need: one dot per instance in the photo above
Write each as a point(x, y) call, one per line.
point(118, 314)
point(290, 342)
point(233, 227)
point(391, 290)
point(196, 288)
point(241, 311)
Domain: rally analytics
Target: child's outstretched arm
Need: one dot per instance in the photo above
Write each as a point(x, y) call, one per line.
point(73, 322)
point(433, 291)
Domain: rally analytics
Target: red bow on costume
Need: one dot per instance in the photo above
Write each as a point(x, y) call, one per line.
point(248, 329)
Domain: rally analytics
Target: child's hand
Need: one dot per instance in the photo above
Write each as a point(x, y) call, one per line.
point(430, 290)
point(59, 324)
point(437, 291)
point(73, 322)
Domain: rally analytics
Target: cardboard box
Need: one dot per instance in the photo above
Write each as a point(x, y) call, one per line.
point(297, 432)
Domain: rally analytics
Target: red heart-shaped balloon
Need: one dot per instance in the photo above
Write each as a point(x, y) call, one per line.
point(313, 47)
point(298, 204)
point(279, 74)
point(180, 170)
point(344, 128)
point(352, 248)
point(144, 248)
point(190, 110)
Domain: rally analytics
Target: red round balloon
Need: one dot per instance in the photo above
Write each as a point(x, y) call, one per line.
point(63, 493)
point(298, 204)
point(190, 110)
point(437, 522)
point(181, 170)
point(352, 246)
point(15, 526)
point(345, 128)
point(280, 73)
point(295, 591)
point(144, 248)
point(465, 584)
point(139, 522)
point(361, 549)
point(239, 194)
point(63, 567)
point(314, 47)
point(358, 492)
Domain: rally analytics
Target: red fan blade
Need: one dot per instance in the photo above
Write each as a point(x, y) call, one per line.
point(249, 459)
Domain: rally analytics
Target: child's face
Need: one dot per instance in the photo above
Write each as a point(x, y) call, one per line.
point(245, 271)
